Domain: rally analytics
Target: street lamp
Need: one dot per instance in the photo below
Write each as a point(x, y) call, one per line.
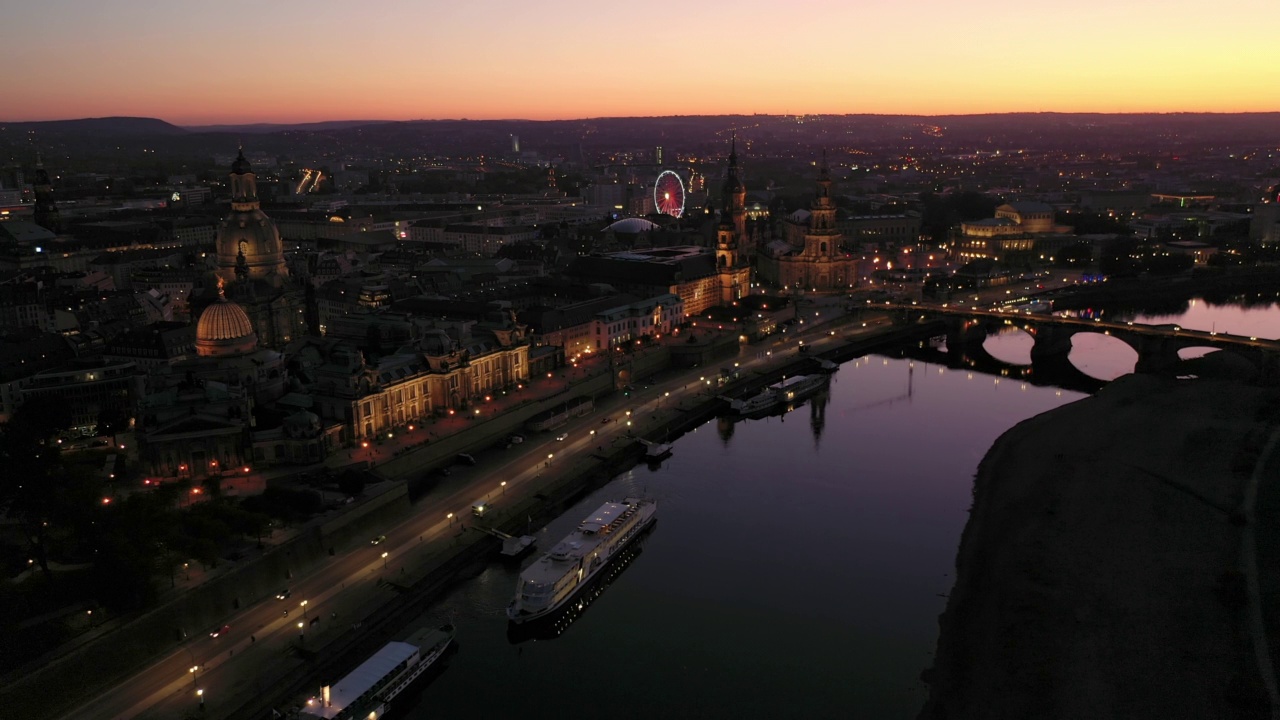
point(384, 561)
point(303, 604)
point(504, 487)
point(302, 633)
point(449, 517)
point(200, 694)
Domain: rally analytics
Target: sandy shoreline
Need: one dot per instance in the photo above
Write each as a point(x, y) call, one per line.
point(1099, 574)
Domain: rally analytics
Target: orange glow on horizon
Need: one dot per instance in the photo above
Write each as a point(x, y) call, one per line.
point(567, 59)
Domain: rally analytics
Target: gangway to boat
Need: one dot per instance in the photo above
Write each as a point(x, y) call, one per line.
point(511, 546)
point(496, 533)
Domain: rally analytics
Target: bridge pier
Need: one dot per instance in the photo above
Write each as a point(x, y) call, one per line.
point(1052, 344)
point(1156, 355)
point(966, 334)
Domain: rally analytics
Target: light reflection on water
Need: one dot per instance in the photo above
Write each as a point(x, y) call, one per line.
point(1107, 358)
point(798, 566)
point(1261, 321)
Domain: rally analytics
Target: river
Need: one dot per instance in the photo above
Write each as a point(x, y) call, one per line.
point(797, 569)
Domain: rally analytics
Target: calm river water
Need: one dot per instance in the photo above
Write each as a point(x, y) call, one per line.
point(797, 569)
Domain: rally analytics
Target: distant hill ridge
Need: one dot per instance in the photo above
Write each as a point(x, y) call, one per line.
point(100, 126)
point(256, 128)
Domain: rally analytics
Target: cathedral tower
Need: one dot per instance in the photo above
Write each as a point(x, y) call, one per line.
point(733, 259)
point(735, 197)
point(822, 240)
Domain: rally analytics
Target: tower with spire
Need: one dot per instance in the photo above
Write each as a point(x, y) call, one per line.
point(735, 198)
point(822, 239)
point(46, 212)
point(812, 258)
point(733, 256)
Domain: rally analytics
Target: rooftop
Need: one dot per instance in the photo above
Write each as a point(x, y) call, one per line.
point(363, 678)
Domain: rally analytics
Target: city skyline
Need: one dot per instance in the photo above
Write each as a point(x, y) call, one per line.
point(294, 62)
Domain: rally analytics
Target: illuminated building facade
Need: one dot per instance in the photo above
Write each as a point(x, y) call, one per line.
point(812, 257)
point(251, 265)
point(442, 373)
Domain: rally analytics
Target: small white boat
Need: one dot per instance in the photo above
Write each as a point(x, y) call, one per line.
point(655, 451)
point(780, 394)
point(515, 547)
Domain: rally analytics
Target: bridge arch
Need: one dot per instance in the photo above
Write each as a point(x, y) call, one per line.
point(1010, 344)
point(1191, 352)
point(1101, 355)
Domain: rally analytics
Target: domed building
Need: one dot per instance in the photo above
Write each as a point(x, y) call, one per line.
point(224, 330)
point(251, 267)
point(227, 351)
point(248, 245)
point(203, 416)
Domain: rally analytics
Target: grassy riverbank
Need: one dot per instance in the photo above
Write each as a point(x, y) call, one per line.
point(1101, 573)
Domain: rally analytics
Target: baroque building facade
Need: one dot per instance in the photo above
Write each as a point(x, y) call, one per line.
point(811, 256)
point(446, 370)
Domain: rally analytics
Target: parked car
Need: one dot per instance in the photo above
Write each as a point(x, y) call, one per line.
point(464, 457)
point(516, 439)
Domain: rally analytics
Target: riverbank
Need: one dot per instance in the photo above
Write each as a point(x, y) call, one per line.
point(1101, 572)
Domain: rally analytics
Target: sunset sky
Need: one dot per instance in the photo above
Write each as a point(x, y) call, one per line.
point(290, 61)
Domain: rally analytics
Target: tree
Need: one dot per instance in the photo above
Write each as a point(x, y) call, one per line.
point(112, 419)
point(351, 483)
point(1076, 254)
point(1119, 258)
point(31, 484)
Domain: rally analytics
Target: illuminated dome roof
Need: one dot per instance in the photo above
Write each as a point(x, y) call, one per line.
point(632, 226)
point(224, 329)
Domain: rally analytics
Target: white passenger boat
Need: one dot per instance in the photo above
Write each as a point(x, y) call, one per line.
point(556, 577)
point(367, 691)
point(780, 394)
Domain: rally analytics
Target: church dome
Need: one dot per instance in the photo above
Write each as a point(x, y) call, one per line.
point(251, 234)
point(224, 329)
point(248, 243)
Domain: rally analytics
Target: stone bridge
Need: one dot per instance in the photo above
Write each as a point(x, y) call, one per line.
point(1157, 346)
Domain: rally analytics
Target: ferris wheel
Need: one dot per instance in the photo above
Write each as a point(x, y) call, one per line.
point(668, 194)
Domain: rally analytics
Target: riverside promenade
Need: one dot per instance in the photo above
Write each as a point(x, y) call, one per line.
point(374, 592)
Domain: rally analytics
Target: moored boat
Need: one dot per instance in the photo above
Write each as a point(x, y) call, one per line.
point(367, 691)
point(555, 623)
point(780, 394)
point(555, 578)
